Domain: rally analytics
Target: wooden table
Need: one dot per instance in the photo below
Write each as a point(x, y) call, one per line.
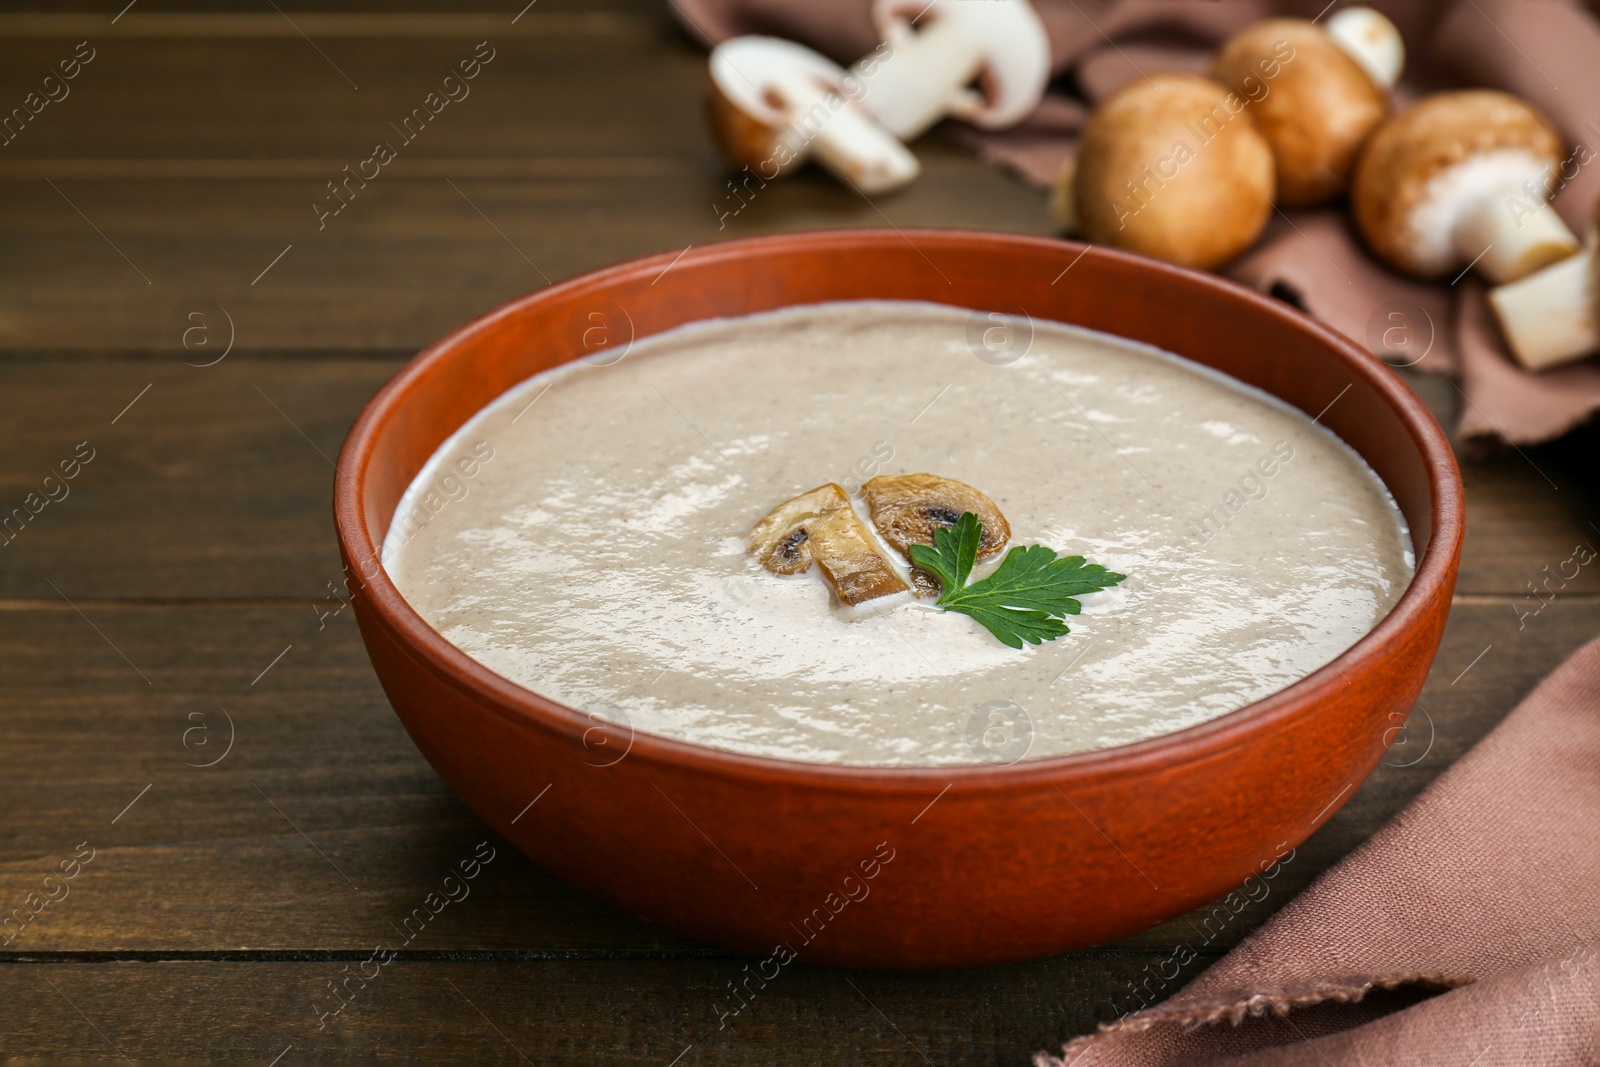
point(182, 592)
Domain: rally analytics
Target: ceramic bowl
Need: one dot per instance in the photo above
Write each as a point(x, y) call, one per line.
point(903, 867)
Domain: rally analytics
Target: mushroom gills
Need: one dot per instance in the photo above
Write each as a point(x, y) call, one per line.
point(908, 508)
point(821, 527)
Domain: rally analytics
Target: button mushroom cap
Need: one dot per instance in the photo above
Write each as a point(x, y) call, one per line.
point(908, 508)
point(1172, 166)
point(773, 104)
point(928, 69)
point(821, 527)
point(1312, 101)
point(1461, 178)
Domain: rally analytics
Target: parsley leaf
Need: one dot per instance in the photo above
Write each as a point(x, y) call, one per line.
point(954, 551)
point(1026, 597)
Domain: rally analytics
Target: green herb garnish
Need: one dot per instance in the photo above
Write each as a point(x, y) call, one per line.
point(1026, 597)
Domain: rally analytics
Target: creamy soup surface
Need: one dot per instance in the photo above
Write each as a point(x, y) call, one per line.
point(587, 536)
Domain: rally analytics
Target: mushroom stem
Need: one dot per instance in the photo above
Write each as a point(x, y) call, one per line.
point(1372, 41)
point(842, 137)
point(928, 68)
point(1549, 316)
point(914, 86)
point(1508, 239)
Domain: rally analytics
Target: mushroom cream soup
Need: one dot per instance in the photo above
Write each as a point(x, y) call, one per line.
point(588, 536)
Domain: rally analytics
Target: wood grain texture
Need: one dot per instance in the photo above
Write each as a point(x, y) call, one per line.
point(644, 1013)
point(524, 180)
point(197, 546)
point(215, 481)
point(314, 113)
point(405, 261)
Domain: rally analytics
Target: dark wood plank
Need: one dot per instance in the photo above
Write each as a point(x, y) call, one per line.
point(523, 102)
point(147, 218)
point(97, 708)
point(553, 1012)
point(1533, 519)
point(96, 705)
point(101, 11)
point(403, 263)
point(215, 482)
point(1527, 509)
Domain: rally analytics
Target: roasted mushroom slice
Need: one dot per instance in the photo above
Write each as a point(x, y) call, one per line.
point(820, 527)
point(908, 508)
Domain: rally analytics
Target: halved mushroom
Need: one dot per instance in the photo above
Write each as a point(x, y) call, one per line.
point(1312, 93)
point(937, 49)
point(1461, 179)
point(773, 104)
point(908, 508)
point(821, 527)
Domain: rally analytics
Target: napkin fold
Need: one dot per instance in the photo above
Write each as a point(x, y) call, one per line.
point(1547, 51)
point(1486, 885)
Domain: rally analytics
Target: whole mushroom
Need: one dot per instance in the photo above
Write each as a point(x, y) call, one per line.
point(1314, 93)
point(1172, 167)
point(983, 61)
point(1461, 179)
point(773, 104)
point(1552, 316)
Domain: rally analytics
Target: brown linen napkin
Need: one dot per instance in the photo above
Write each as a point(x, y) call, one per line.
point(1545, 50)
point(1488, 884)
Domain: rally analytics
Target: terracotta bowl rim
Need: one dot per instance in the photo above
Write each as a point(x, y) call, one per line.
point(524, 706)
